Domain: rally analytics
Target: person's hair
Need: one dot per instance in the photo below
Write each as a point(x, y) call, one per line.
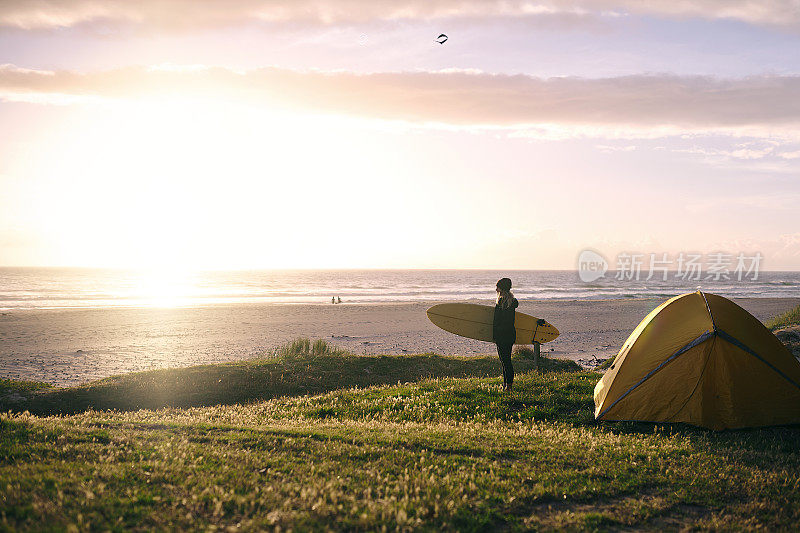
point(504, 296)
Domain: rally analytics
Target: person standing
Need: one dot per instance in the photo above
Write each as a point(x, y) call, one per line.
point(503, 332)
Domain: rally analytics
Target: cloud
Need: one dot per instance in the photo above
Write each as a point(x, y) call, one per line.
point(607, 149)
point(664, 103)
point(764, 202)
point(188, 14)
point(744, 152)
point(765, 155)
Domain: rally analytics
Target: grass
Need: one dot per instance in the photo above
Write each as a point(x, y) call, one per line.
point(789, 318)
point(432, 452)
point(605, 365)
point(10, 386)
point(303, 346)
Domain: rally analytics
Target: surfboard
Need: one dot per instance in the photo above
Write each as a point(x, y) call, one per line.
point(474, 321)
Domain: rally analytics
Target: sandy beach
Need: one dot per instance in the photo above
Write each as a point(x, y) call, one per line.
point(72, 346)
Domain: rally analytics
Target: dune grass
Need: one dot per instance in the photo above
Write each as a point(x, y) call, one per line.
point(304, 346)
point(605, 365)
point(429, 453)
point(789, 318)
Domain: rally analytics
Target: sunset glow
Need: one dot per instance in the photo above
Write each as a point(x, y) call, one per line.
point(350, 138)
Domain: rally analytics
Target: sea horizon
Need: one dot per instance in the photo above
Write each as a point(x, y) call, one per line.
point(86, 287)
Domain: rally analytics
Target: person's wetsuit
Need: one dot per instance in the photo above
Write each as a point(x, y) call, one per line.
point(504, 335)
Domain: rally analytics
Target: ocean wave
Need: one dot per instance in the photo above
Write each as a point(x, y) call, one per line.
point(36, 288)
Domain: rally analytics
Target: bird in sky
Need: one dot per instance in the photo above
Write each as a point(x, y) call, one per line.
point(441, 38)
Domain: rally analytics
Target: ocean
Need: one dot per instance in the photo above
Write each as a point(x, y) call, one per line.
point(43, 288)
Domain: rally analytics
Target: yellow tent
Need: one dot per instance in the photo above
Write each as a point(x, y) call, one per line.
point(701, 359)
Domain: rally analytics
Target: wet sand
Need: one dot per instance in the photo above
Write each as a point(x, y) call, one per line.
point(72, 346)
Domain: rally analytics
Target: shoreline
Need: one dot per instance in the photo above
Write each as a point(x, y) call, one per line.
point(70, 346)
point(484, 301)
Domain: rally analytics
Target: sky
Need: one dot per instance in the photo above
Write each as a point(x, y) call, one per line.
point(307, 134)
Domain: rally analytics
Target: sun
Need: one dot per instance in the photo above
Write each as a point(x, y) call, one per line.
point(168, 287)
point(169, 184)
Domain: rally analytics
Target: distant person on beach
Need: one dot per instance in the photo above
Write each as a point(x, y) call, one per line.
point(333, 299)
point(338, 299)
point(503, 332)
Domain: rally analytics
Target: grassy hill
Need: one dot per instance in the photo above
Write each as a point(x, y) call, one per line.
point(309, 440)
point(298, 368)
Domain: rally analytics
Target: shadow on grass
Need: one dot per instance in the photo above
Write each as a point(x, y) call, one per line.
point(758, 447)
